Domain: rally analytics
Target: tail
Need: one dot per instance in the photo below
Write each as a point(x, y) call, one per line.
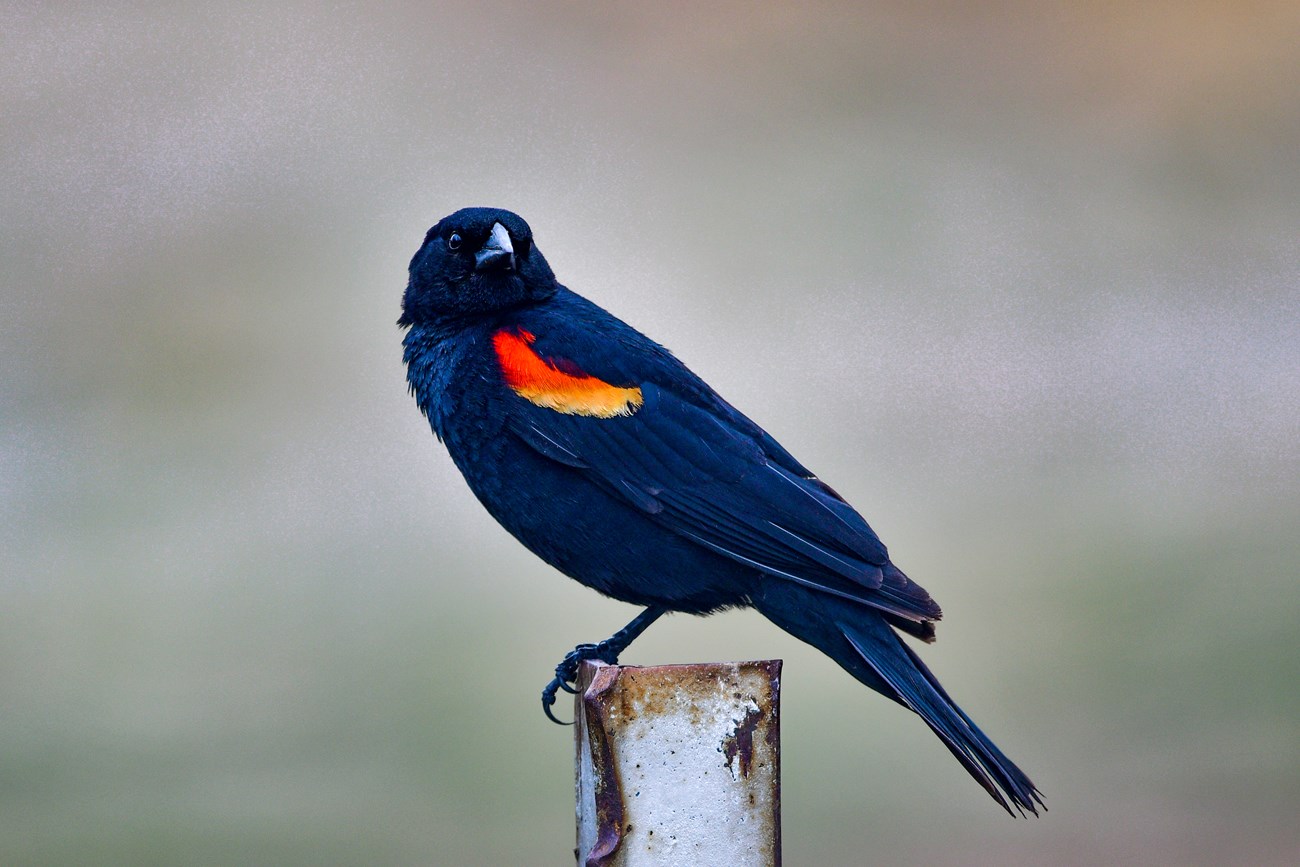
point(860, 640)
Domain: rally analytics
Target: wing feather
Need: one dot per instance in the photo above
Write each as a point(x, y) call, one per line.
point(710, 480)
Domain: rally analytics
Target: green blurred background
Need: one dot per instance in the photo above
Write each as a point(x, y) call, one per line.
point(1022, 281)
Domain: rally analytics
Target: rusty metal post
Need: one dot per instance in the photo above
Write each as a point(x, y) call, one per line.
point(679, 764)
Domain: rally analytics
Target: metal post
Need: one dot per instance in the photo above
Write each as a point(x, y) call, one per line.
point(679, 764)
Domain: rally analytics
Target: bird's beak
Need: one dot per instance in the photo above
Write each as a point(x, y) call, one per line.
point(496, 254)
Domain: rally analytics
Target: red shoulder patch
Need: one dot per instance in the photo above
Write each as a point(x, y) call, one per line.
point(558, 384)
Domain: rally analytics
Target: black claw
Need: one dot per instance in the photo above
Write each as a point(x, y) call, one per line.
point(606, 651)
point(567, 672)
point(548, 699)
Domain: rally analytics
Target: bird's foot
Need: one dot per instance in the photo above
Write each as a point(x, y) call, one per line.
point(606, 651)
point(567, 672)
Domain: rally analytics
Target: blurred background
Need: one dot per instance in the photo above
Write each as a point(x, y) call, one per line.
point(1022, 281)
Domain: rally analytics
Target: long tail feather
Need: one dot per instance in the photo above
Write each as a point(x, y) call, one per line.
point(918, 689)
point(860, 640)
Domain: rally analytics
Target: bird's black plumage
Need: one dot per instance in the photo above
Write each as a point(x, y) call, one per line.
point(616, 464)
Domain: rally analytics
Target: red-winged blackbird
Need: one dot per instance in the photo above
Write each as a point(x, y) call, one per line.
point(613, 462)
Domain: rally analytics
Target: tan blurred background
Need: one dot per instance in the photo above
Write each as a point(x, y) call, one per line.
point(1022, 280)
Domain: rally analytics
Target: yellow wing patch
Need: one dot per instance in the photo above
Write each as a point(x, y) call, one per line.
point(541, 382)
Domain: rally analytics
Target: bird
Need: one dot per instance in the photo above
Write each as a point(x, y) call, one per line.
point(613, 462)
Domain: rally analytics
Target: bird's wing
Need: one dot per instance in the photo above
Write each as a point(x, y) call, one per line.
point(702, 474)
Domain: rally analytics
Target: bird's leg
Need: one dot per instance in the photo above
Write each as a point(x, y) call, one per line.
point(606, 651)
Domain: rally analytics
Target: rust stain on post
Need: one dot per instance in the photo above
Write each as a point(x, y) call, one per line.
point(740, 743)
point(607, 793)
point(679, 764)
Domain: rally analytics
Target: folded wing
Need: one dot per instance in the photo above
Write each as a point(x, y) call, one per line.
point(710, 479)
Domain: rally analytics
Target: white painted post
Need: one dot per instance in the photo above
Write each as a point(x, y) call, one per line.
point(679, 765)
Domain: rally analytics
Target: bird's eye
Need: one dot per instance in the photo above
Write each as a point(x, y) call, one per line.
point(454, 241)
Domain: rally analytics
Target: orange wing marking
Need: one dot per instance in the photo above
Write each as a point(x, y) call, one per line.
point(541, 382)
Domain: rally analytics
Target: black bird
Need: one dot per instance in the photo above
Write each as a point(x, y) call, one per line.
point(613, 462)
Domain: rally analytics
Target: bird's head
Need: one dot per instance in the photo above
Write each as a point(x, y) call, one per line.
point(476, 261)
